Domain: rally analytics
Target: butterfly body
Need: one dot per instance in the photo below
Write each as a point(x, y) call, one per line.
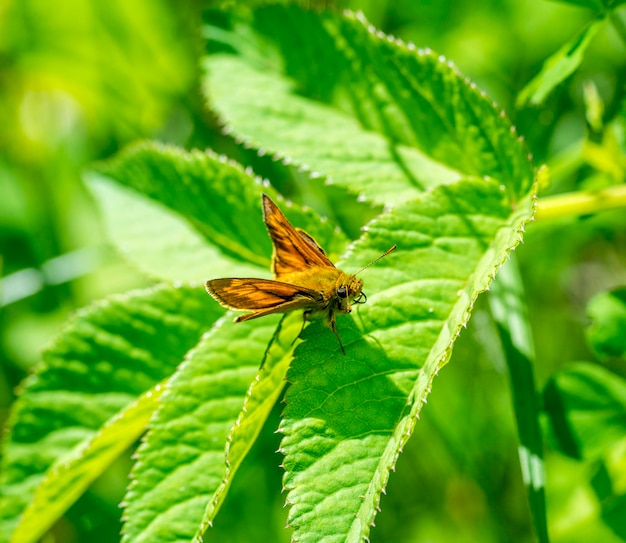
point(330, 283)
point(304, 278)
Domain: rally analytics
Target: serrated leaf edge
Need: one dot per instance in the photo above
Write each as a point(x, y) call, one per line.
point(84, 447)
point(166, 387)
point(248, 142)
point(416, 399)
point(230, 469)
point(359, 531)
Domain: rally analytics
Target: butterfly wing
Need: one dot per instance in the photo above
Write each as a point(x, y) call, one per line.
point(294, 250)
point(311, 241)
point(262, 296)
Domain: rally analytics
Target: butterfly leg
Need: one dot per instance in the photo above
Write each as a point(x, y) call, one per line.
point(334, 329)
point(305, 314)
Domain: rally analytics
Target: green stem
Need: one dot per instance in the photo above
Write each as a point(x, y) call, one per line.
point(581, 203)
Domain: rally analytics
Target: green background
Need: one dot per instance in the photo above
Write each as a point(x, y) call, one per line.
point(80, 80)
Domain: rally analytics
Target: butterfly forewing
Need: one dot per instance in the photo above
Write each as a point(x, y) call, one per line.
point(294, 250)
point(311, 241)
point(258, 294)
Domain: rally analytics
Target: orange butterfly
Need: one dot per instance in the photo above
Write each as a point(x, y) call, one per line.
point(304, 278)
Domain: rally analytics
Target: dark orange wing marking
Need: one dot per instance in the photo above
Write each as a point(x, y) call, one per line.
point(262, 296)
point(310, 240)
point(294, 250)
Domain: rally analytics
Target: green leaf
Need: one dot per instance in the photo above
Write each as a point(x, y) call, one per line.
point(586, 405)
point(102, 362)
point(370, 113)
point(607, 331)
point(383, 120)
point(347, 417)
point(260, 399)
point(156, 240)
point(72, 474)
point(190, 216)
point(395, 125)
point(181, 469)
point(558, 67)
point(511, 317)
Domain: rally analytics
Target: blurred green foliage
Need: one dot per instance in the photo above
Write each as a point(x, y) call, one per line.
point(79, 80)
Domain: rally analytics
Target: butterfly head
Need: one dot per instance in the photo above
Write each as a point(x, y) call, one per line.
point(349, 287)
point(349, 292)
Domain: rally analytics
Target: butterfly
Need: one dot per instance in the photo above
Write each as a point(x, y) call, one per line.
point(304, 278)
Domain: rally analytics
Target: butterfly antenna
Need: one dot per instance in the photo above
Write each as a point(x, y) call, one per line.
point(391, 249)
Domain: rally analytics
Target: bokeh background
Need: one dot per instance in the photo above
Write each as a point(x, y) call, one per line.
point(81, 79)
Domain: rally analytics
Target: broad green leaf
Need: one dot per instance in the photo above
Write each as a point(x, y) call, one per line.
point(511, 317)
point(347, 417)
point(558, 67)
point(260, 399)
point(158, 241)
point(381, 119)
point(370, 113)
point(191, 215)
point(108, 355)
point(181, 467)
point(608, 327)
point(587, 409)
point(73, 473)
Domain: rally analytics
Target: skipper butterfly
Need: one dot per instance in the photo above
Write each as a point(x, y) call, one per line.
point(304, 278)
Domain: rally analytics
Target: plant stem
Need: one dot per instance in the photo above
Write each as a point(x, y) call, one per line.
point(581, 203)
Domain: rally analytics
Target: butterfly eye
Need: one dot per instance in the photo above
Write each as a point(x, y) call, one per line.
point(342, 292)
